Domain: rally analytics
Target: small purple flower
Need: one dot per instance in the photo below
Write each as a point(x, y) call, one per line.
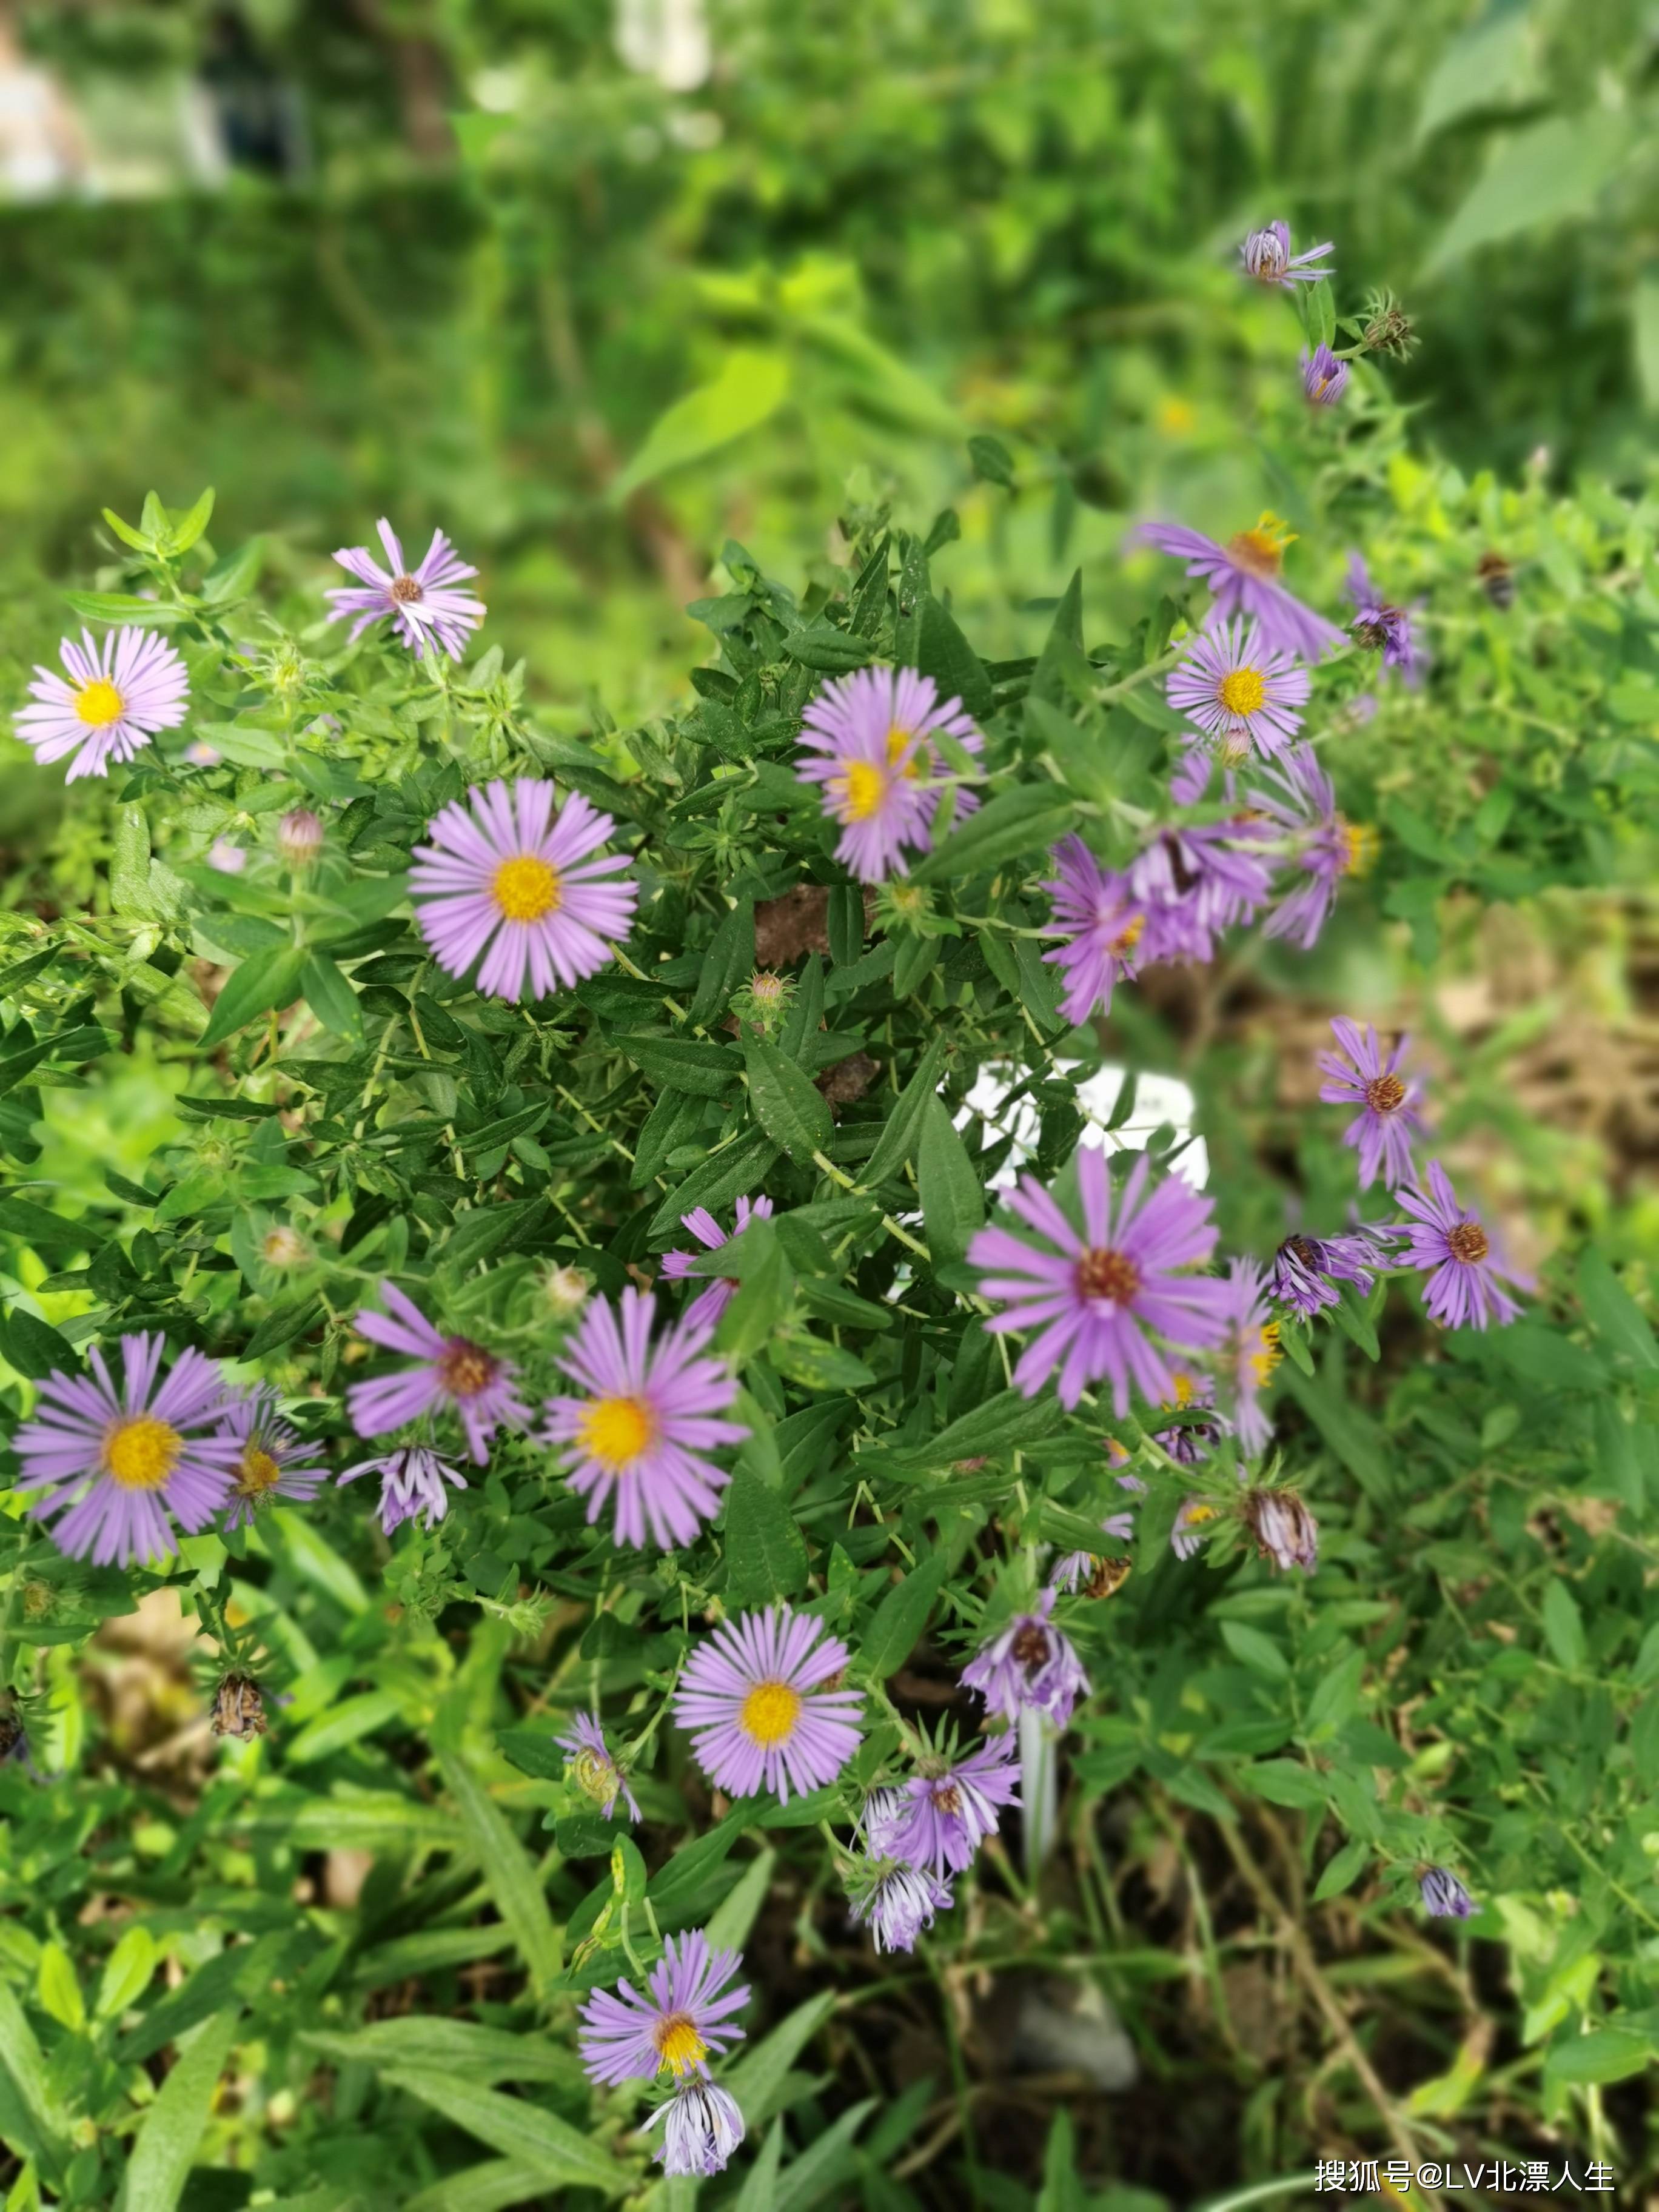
point(588, 1763)
point(1030, 1667)
point(895, 1902)
point(1189, 779)
point(1266, 255)
point(1095, 1303)
point(1196, 881)
point(702, 2128)
point(1186, 1537)
point(450, 1371)
point(1324, 377)
point(227, 857)
point(878, 775)
point(1085, 1567)
point(938, 1818)
point(117, 696)
point(1187, 1444)
point(1238, 688)
point(686, 2014)
point(756, 1695)
point(1324, 844)
point(650, 1415)
point(1243, 573)
point(423, 604)
point(114, 1465)
point(263, 1473)
point(1250, 1352)
point(1443, 1895)
point(505, 879)
point(1383, 1129)
point(411, 1484)
point(1385, 629)
point(1305, 1269)
point(1285, 1531)
point(711, 1302)
point(1093, 907)
point(1464, 1268)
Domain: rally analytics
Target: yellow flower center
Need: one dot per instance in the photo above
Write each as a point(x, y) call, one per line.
point(1194, 1514)
point(897, 737)
point(1261, 550)
point(256, 1472)
point(1176, 416)
point(616, 1431)
point(1360, 846)
point(1129, 936)
point(98, 703)
point(525, 888)
point(1264, 1361)
point(596, 1775)
point(1242, 691)
point(1107, 1274)
point(143, 1452)
point(863, 788)
point(1184, 1389)
point(679, 2044)
point(768, 1713)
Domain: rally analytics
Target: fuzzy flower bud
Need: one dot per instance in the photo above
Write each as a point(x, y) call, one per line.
point(300, 837)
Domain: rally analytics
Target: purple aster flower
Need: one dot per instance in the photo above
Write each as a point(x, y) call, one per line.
point(714, 1298)
point(1187, 1536)
point(423, 604)
point(449, 1372)
point(640, 1433)
point(1324, 377)
point(1443, 1895)
point(1187, 1444)
point(228, 858)
point(1237, 689)
point(1464, 1268)
point(895, 1902)
point(756, 1696)
point(115, 1464)
point(1092, 907)
point(1306, 1269)
point(1385, 629)
point(1243, 573)
point(1285, 1531)
point(1266, 255)
point(411, 1484)
point(117, 697)
point(1197, 881)
point(702, 2128)
point(1189, 779)
point(1094, 1302)
point(1249, 1353)
point(1029, 1667)
point(590, 1765)
point(686, 2014)
point(1383, 1129)
point(264, 1472)
point(1094, 1571)
point(938, 1818)
point(506, 878)
point(1324, 844)
point(879, 777)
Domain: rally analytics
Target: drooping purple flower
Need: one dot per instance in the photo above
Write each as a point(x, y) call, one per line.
point(449, 1372)
point(109, 1466)
point(507, 878)
point(754, 1695)
point(1085, 1567)
point(1098, 1302)
point(1030, 1667)
point(1324, 377)
point(1187, 1443)
point(1383, 1130)
point(895, 1902)
point(685, 2013)
point(1464, 1266)
point(649, 1416)
point(1243, 573)
point(1237, 689)
point(1385, 629)
point(423, 605)
point(1285, 1531)
point(938, 1818)
point(590, 1765)
point(1195, 881)
point(1187, 1536)
point(412, 1485)
point(1323, 844)
point(264, 1472)
point(119, 695)
point(1249, 1353)
point(1266, 255)
point(1444, 1895)
point(867, 737)
point(702, 2128)
point(714, 1298)
point(1093, 907)
point(1306, 1269)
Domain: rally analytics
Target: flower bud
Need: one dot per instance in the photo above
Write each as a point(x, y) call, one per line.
point(300, 837)
point(283, 1246)
point(1285, 1531)
point(564, 1291)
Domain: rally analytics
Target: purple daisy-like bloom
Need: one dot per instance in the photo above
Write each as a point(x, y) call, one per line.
point(1075, 1567)
point(1191, 1524)
point(1385, 629)
point(877, 774)
point(1236, 687)
point(1249, 1353)
point(449, 1372)
point(1325, 845)
point(1306, 1269)
point(1187, 1443)
point(938, 1818)
point(895, 1902)
point(1093, 907)
point(685, 2013)
point(754, 1696)
point(1030, 1667)
point(1464, 1268)
point(1094, 1300)
point(264, 1473)
point(111, 1466)
point(412, 1485)
point(1285, 1531)
point(590, 1765)
point(507, 880)
point(650, 1415)
point(1243, 573)
point(712, 1301)
point(1266, 256)
point(1444, 1895)
point(702, 2128)
point(423, 604)
point(1196, 881)
point(119, 695)
point(1324, 377)
point(1383, 1129)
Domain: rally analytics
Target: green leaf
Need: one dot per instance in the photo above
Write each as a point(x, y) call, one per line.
point(730, 957)
point(331, 998)
point(899, 1620)
point(938, 649)
point(751, 386)
point(129, 867)
point(270, 980)
point(735, 1171)
point(1001, 1425)
point(512, 1877)
point(1282, 1781)
point(1546, 173)
point(1255, 1651)
point(693, 1064)
point(557, 2154)
point(765, 1554)
point(729, 1923)
point(57, 1989)
point(189, 527)
point(1615, 1313)
point(1026, 819)
point(992, 461)
point(170, 2132)
point(786, 1102)
point(1481, 65)
point(1563, 1627)
point(953, 1197)
point(758, 2075)
point(822, 647)
point(1605, 2054)
point(458, 2047)
point(903, 1131)
point(127, 1972)
point(121, 607)
point(1343, 1870)
point(1645, 315)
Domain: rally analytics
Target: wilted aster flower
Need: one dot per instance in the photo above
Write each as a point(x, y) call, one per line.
point(1325, 845)
point(411, 1484)
point(1196, 882)
point(1285, 1531)
point(283, 1246)
point(895, 1902)
point(1324, 377)
point(238, 1708)
point(938, 1818)
point(564, 1291)
point(264, 1473)
point(1385, 629)
point(300, 836)
point(1187, 1444)
point(589, 1763)
point(702, 2128)
point(879, 777)
point(1266, 255)
point(1235, 686)
point(1303, 1265)
point(1092, 907)
point(117, 696)
point(423, 606)
point(686, 2014)
point(1243, 573)
point(1383, 1129)
point(714, 1298)
point(505, 879)
point(1099, 1574)
point(449, 1372)
point(114, 1466)
point(649, 1416)
point(1186, 1537)
point(1464, 1268)
point(1443, 1895)
point(1029, 1667)
point(1095, 1303)
point(1250, 1352)
point(754, 1696)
